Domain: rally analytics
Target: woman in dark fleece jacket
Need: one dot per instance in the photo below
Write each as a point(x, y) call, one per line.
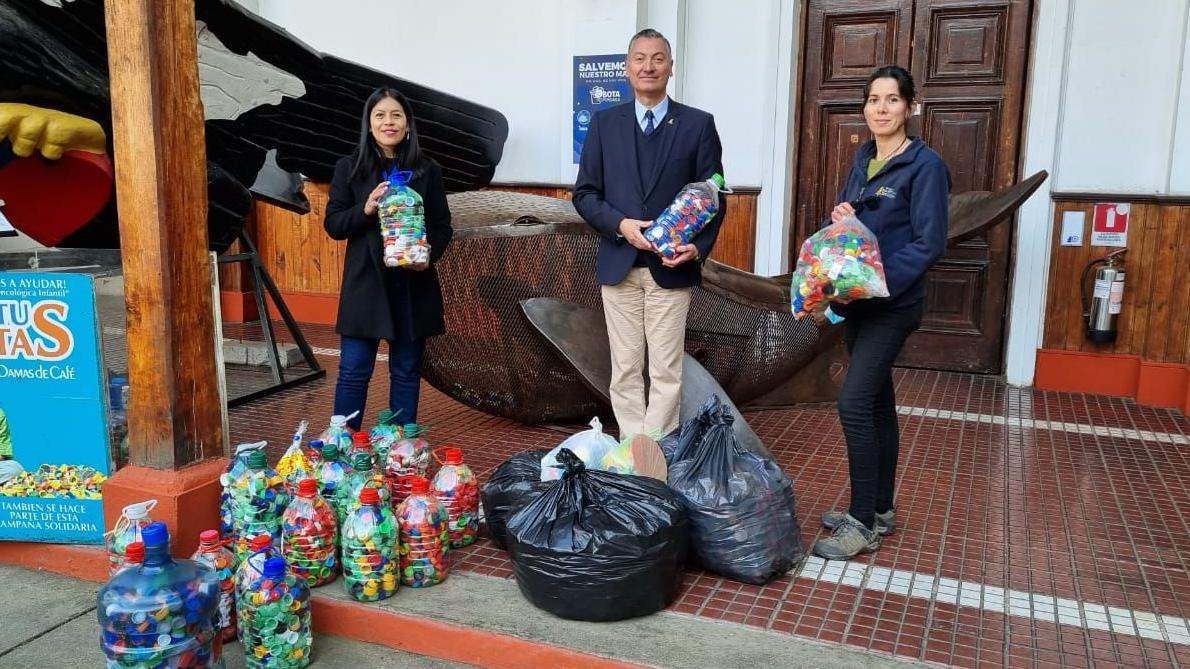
point(899, 188)
point(400, 305)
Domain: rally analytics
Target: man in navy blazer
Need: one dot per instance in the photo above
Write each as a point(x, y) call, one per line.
point(636, 158)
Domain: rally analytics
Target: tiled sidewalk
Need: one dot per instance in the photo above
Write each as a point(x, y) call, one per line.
point(1036, 529)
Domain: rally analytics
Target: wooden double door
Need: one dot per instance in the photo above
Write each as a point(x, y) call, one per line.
point(968, 60)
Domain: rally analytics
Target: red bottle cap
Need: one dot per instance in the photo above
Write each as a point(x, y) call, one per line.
point(134, 553)
point(308, 487)
point(209, 537)
point(361, 438)
point(419, 485)
point(454, 455)
point(260, 542)
point(369, 496)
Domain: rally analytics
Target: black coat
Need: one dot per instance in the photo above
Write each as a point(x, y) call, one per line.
point(381, 302)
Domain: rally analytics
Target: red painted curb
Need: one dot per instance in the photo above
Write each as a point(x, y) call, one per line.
point(423, 636)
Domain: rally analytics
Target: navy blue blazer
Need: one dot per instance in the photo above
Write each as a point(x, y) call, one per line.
point(608, 188)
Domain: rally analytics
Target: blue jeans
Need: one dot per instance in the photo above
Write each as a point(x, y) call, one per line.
point(357, 359)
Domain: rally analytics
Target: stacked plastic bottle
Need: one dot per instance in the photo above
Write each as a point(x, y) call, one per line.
point(369, 538)
point(129, 526)
point(314, 453)
point(385, 435)
point(309, 531)
point(457, 488)
point(160, 615)
point(261, 548)
point(259, 500)
point(363, 474)
point(134, 555)
point(407, 458)
point(424, 536)
point(214, 553)
point(338, 433)
point(295, 465)
point(276, 614)
point(692, 208)
point(361, 442)
point(402, 223)
point(332, 476)
point(236, 469)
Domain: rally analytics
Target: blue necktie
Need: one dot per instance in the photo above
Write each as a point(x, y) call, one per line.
point(649, 122)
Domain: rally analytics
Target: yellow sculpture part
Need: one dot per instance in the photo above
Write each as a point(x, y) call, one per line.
point(49, 131)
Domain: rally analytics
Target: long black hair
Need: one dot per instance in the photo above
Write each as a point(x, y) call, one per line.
point(370, 161)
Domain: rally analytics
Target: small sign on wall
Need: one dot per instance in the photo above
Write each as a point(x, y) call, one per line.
point(1072, 227)
point(1109, 227)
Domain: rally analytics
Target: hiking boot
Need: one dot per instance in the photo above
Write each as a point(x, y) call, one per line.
point(848, 539)
point(886, 522)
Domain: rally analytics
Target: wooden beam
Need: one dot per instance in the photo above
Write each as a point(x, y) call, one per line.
point(160, 156)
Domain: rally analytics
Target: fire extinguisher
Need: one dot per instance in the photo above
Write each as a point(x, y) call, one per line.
point(1101, 308)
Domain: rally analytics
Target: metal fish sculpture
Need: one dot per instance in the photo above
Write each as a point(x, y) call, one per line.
point(509, 248)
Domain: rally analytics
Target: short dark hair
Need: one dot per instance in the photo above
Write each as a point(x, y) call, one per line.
point(649, 33)
point(901, 75)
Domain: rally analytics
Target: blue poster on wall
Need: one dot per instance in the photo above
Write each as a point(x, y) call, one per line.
point(54, 454)
point(599, 82)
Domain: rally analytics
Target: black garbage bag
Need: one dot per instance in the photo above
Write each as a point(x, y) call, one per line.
point(688, 433)
point(599, 546)
point(515, 483)
point(743, 517)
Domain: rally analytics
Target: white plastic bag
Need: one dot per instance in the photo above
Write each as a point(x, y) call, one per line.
point(592, 446)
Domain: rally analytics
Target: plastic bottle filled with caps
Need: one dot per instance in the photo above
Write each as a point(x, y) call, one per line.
point(213, 552)
point(457, 488)
point(161, 613)
point(309, 529)
point(363, 474)
point(369, 542)
point(408, 457)
point(276, 613)
point(424, 536)
point(260, 499)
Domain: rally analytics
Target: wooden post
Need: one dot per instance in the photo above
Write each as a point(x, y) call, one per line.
point(160, 156)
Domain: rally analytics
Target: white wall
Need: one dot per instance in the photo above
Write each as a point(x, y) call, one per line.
point(1125, 99)
point(515, 56)
point(1179, 173)
point(504, 55)
point(728, 73)
point(1108, 111)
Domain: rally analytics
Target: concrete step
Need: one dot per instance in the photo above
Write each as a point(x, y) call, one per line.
point(469, 620)
point(49, 621)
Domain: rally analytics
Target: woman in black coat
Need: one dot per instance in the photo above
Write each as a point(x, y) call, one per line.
point(402, 306)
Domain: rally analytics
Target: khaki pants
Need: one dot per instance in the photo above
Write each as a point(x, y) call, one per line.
point(640, 313)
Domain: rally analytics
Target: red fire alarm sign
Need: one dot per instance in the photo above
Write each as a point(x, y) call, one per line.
point(1110, 225)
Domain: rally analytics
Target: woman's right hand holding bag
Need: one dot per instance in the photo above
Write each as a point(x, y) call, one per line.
point(839, 263)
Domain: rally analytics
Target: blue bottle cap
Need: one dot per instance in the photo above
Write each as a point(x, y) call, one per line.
point(274, 568)
point(155, 535)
